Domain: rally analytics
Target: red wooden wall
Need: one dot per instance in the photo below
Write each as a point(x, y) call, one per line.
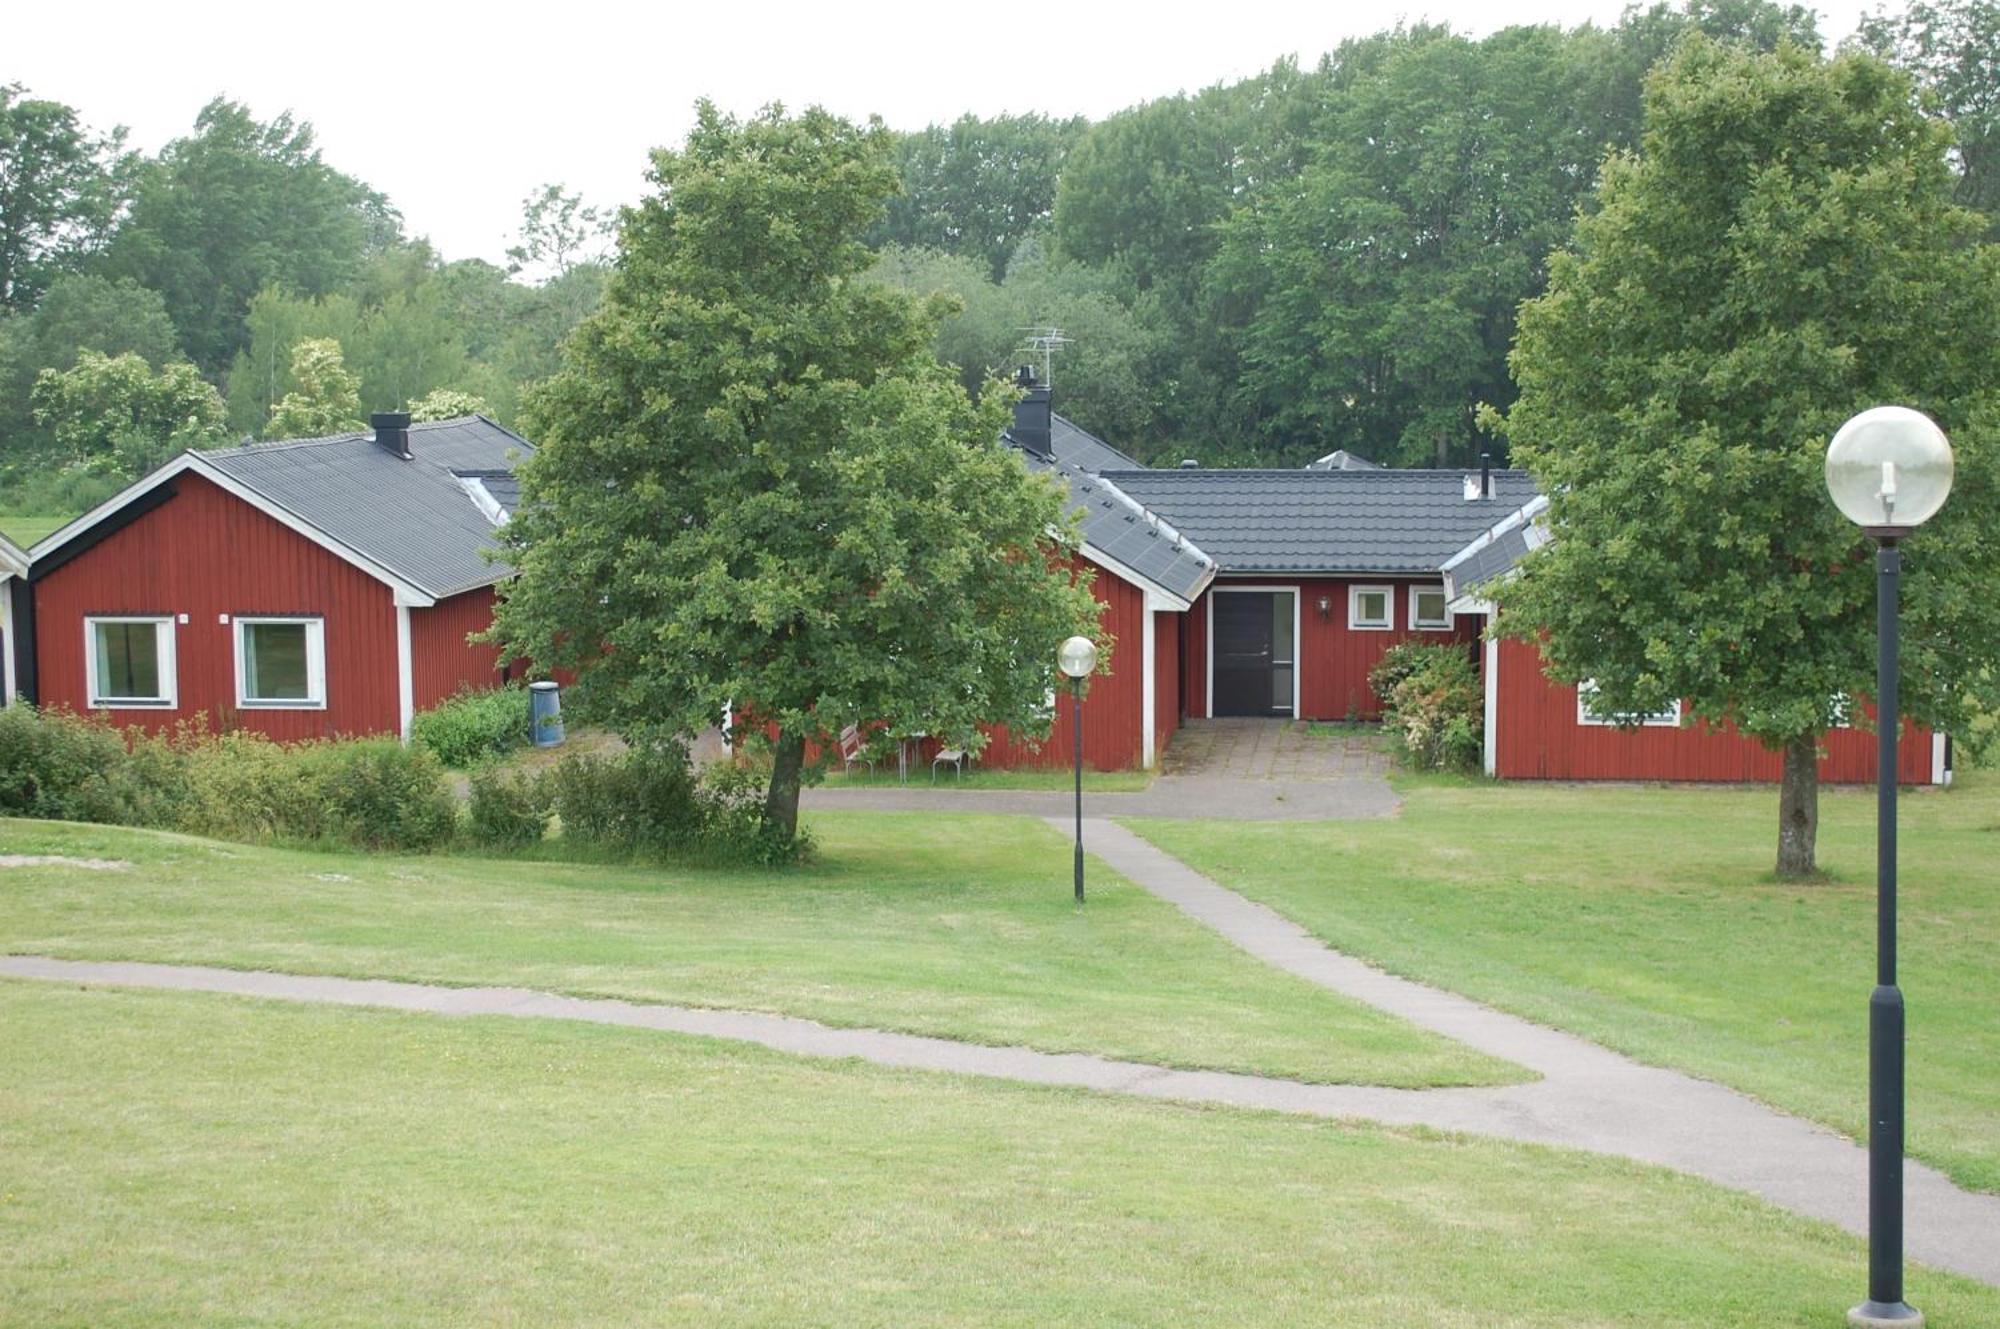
point(1166, 678)
point(1113, 704)
point(441, 660)
point(1539, 738)
point(1334, 659)
point(205, 553)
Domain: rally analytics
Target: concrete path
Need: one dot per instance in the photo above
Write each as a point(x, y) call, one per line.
point(1234, 769)
point(1589, 1097)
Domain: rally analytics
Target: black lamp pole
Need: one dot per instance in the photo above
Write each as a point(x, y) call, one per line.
point(1076, 720)
point(1885, 1304)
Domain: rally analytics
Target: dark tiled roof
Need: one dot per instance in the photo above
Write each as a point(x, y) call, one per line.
point(1496, 551)
point(1386, 521)
point(1120, 529)
point(1086, 451)
point(412, 517)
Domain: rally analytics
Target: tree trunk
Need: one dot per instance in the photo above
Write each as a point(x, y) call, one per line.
point(1798, 808)
point(781, 801)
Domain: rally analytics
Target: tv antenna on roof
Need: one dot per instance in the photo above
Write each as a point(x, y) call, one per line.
point(1044, 342)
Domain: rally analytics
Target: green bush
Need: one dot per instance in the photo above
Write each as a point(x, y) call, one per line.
point(1435, 705)
point(374, 793)
point(378, 793)
point(507, 810)
point(644, 800)
point(474, 726)
point(62, 766)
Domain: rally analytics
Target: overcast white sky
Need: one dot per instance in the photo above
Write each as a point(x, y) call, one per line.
point(458, 111)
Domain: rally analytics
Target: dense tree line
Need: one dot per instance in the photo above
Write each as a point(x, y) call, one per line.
point(1315, 257)
point(1334, 256)
point(231, 287)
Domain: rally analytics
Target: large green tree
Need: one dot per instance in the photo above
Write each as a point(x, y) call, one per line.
point(236, 206)
point(325, 397)
point(1782, 252)
point(1370, 299)
point(117, 416)
point(77, 313)
point(977, 187)
point(1952, 49)
point(61, 187)
point(756, 486)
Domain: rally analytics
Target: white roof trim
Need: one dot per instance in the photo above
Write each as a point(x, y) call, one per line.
point(407, 591)
point(13, 559)
point(1529, 514)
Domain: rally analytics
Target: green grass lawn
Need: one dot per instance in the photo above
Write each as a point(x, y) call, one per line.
point(1645, 918)
point(956, 925)
point(24, 531)
point(171, 1159)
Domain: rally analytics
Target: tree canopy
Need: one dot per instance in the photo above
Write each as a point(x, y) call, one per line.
point(1782, 252)
point(755, 486)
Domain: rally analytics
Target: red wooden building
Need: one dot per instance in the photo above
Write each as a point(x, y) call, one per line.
point(303, 588)
point(1292, 584)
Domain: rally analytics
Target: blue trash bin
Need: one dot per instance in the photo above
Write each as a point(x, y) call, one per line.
point(545, 713)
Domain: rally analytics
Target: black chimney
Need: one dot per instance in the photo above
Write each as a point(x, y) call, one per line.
point(1033, 426)
point(1486, 475)
point(392, 431)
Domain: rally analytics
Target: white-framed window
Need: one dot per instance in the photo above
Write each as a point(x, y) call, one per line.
point(1371, 608)
point(1586, 714)
point(129, 661)
point(1429, 610)
point(280, 663)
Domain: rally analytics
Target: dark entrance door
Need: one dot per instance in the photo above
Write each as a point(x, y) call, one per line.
point(1253, 652)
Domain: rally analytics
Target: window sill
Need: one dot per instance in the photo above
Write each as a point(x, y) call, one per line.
point(243, 705)
point(131, 704)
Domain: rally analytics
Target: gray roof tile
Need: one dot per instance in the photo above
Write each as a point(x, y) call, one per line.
point(1119, 528)
point(412, 517)
point(1304, 521)
point(1085, 450)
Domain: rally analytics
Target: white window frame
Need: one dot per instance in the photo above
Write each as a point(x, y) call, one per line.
point(1670, 718)
point(1354, 622)
point(164, 644)
point(315, 700)
point(1417, 624)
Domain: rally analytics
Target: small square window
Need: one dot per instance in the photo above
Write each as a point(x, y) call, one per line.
point(1370, 608)
point(131, 661)
point(1429, 610)
point(1588, 714)
point(280, 663)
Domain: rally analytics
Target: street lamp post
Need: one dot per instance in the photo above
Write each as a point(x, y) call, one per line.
point(1888, 470)
point(1076, 658)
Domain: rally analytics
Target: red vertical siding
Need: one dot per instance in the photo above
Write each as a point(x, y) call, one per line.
point(441, 659)
point(205, 553)
point(1194, 664)
point(1539, 739)
point(1166, 678)
point(1334, 659)
point(1113, 707)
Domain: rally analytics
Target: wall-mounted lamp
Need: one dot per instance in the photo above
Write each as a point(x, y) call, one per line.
point(1325, 606)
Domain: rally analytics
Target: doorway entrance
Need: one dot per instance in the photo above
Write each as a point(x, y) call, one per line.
point(1253, 665)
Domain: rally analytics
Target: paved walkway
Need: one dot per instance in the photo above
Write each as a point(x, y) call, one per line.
point(1239, 770)
point(1589, 1097)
